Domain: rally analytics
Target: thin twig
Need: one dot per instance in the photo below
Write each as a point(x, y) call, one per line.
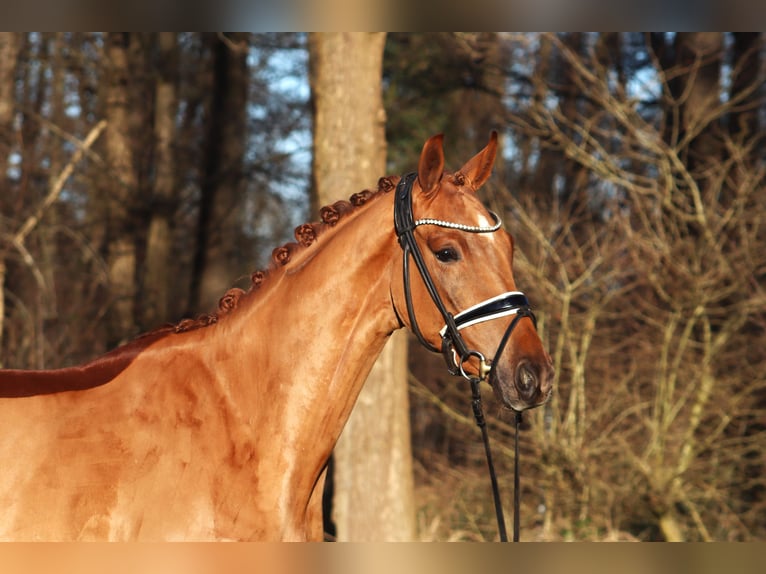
point(55, 190)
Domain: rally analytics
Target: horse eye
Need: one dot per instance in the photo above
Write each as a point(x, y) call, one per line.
point(447, 254)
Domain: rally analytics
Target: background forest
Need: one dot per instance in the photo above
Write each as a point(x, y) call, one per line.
point(142, 175)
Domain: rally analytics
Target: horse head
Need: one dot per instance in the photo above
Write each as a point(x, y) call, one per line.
point(464, 301)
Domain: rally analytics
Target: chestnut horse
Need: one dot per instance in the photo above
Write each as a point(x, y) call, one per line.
point(221, 427)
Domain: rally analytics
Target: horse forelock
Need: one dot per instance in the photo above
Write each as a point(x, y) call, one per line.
point(306, 235)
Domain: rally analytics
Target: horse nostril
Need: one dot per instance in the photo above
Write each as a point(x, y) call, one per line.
point(526, 382)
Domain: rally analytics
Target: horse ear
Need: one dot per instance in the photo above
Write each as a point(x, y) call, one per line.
point(479, 167)
point(431, 164)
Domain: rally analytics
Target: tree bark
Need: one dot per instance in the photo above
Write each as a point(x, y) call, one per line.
point(373, 499)
point(120, 190)
point(156, 279)
point(544, 171)
point(699, 54)
point(10, 44)
point(746, 60)
point(217, 262)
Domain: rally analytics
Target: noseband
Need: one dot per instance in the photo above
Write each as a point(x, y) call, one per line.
point(453, 347)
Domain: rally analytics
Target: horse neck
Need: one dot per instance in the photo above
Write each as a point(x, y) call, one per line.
point(321, 322)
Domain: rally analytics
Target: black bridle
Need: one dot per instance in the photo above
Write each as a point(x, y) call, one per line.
point(453, 347)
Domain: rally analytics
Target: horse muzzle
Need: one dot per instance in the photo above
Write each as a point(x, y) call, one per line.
point(527, 385)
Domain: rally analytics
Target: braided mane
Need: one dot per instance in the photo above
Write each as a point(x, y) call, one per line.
point(305, 235)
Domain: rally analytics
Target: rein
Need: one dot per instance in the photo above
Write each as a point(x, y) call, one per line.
point(453, 347)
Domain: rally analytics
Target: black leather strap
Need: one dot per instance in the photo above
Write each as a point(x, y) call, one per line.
point(404, 223)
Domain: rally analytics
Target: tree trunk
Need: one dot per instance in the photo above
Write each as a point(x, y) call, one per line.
point(10, 43)
point(541, 192)
point(373, 499)
point(478, 108)
point(50, 251)
point(699, 55)
point(156, 279)
point(746, 61)
point(119, 193)
point(217, 262)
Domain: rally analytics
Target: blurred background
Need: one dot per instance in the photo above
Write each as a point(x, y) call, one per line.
point(144, 174)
